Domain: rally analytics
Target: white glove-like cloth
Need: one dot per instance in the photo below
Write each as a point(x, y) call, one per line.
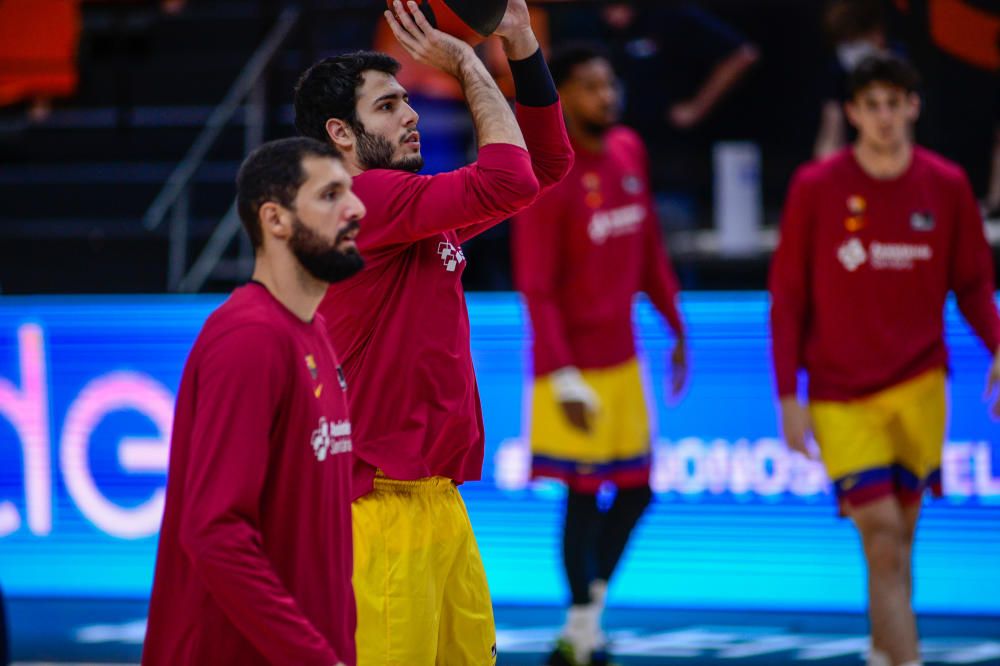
point(570, 387)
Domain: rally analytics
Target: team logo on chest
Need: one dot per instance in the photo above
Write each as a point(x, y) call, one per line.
point(331, 438)
point(314, 373)
point(632, 184)
point(450, 255)
point(591, 182)
point(857, 206)
point(922, 220)
point(852, 254)
point(622, 221)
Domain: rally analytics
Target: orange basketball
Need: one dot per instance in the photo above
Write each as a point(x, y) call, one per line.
point(469, 20)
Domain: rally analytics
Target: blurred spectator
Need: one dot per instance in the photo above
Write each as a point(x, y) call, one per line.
point(38, 46)
point(697, 58)
point(856, 29)
point(677, 63)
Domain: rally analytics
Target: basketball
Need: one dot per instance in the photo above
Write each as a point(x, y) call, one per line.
point(470, 20)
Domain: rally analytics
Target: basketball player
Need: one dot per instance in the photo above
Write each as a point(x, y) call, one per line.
point(254, 562)
point(872, 241)
point(581, 253)
point(403, 328)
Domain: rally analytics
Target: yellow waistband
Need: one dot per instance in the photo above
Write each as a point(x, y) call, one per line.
point(431, 484)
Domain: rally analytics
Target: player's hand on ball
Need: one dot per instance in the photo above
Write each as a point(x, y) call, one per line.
point(796, 427)
point(515, 20)
point(424, 42)
point(578, 414)
point(993, 386)
point(515, 31)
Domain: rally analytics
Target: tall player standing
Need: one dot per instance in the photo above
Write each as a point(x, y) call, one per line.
point(254, 561)
point(872, 241)
point(403, 329)
point(581, 254)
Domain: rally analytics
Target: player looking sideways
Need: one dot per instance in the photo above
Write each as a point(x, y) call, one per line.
point(254, 561)
point(402, 326)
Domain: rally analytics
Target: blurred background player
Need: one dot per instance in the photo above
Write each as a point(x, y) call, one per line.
point(254, 562)
point(403, 329)
point(873, 240)
point(581, 253)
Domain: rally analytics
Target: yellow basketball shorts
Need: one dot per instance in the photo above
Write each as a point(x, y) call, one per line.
point(889, 443)
point(616, 450)
point(419, 581)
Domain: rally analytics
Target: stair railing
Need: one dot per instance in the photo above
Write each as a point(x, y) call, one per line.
point(173, 201)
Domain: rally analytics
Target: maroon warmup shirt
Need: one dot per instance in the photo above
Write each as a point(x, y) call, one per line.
point(584, 249)
point(255, 555)
point(401, 325)
point(860, 277)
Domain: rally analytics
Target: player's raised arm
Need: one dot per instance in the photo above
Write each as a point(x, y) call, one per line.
point(539, 112)
point(491, 115)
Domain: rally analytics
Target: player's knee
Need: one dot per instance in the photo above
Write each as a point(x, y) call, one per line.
point(885, 548)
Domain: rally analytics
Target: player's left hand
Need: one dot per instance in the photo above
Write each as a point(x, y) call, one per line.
point(993, 386)
point(678, 369)
point(515, 30)
point(685, 115)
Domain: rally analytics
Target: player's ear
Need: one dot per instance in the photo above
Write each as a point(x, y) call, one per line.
point(915, 105)
point(850, 112)
point(273, 222)
point(340, 133)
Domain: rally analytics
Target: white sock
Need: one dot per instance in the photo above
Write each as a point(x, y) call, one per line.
point(598, 595)
point(581, 630)
point(915, 662)
point(878, 658)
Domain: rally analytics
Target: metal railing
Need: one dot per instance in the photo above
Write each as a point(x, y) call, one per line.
point(173, 201)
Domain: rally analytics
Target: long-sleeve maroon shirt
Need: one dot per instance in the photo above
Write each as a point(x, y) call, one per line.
point(860, 277)
point(255, 555)
point(401, 325)
point(583, 251)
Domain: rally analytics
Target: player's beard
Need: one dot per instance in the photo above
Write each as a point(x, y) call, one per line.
point(320, 257)
point(376, 152)
point(594, 128)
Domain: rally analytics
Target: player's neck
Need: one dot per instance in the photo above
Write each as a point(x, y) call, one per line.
point(883, 164)
point(290, 285)
point(352, 167)
point(590, 142)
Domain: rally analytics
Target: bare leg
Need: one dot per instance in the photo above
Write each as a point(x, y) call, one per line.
point(887, 534)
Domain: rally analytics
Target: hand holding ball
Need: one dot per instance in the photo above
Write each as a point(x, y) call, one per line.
point(471, 21)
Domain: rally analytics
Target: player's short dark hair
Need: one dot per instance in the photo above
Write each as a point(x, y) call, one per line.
point(273, 172)
point(329, 89)
point(884, 68)
point(567, 57)
point(847, 20)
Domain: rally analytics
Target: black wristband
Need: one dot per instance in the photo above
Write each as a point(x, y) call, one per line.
point(533, 85)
